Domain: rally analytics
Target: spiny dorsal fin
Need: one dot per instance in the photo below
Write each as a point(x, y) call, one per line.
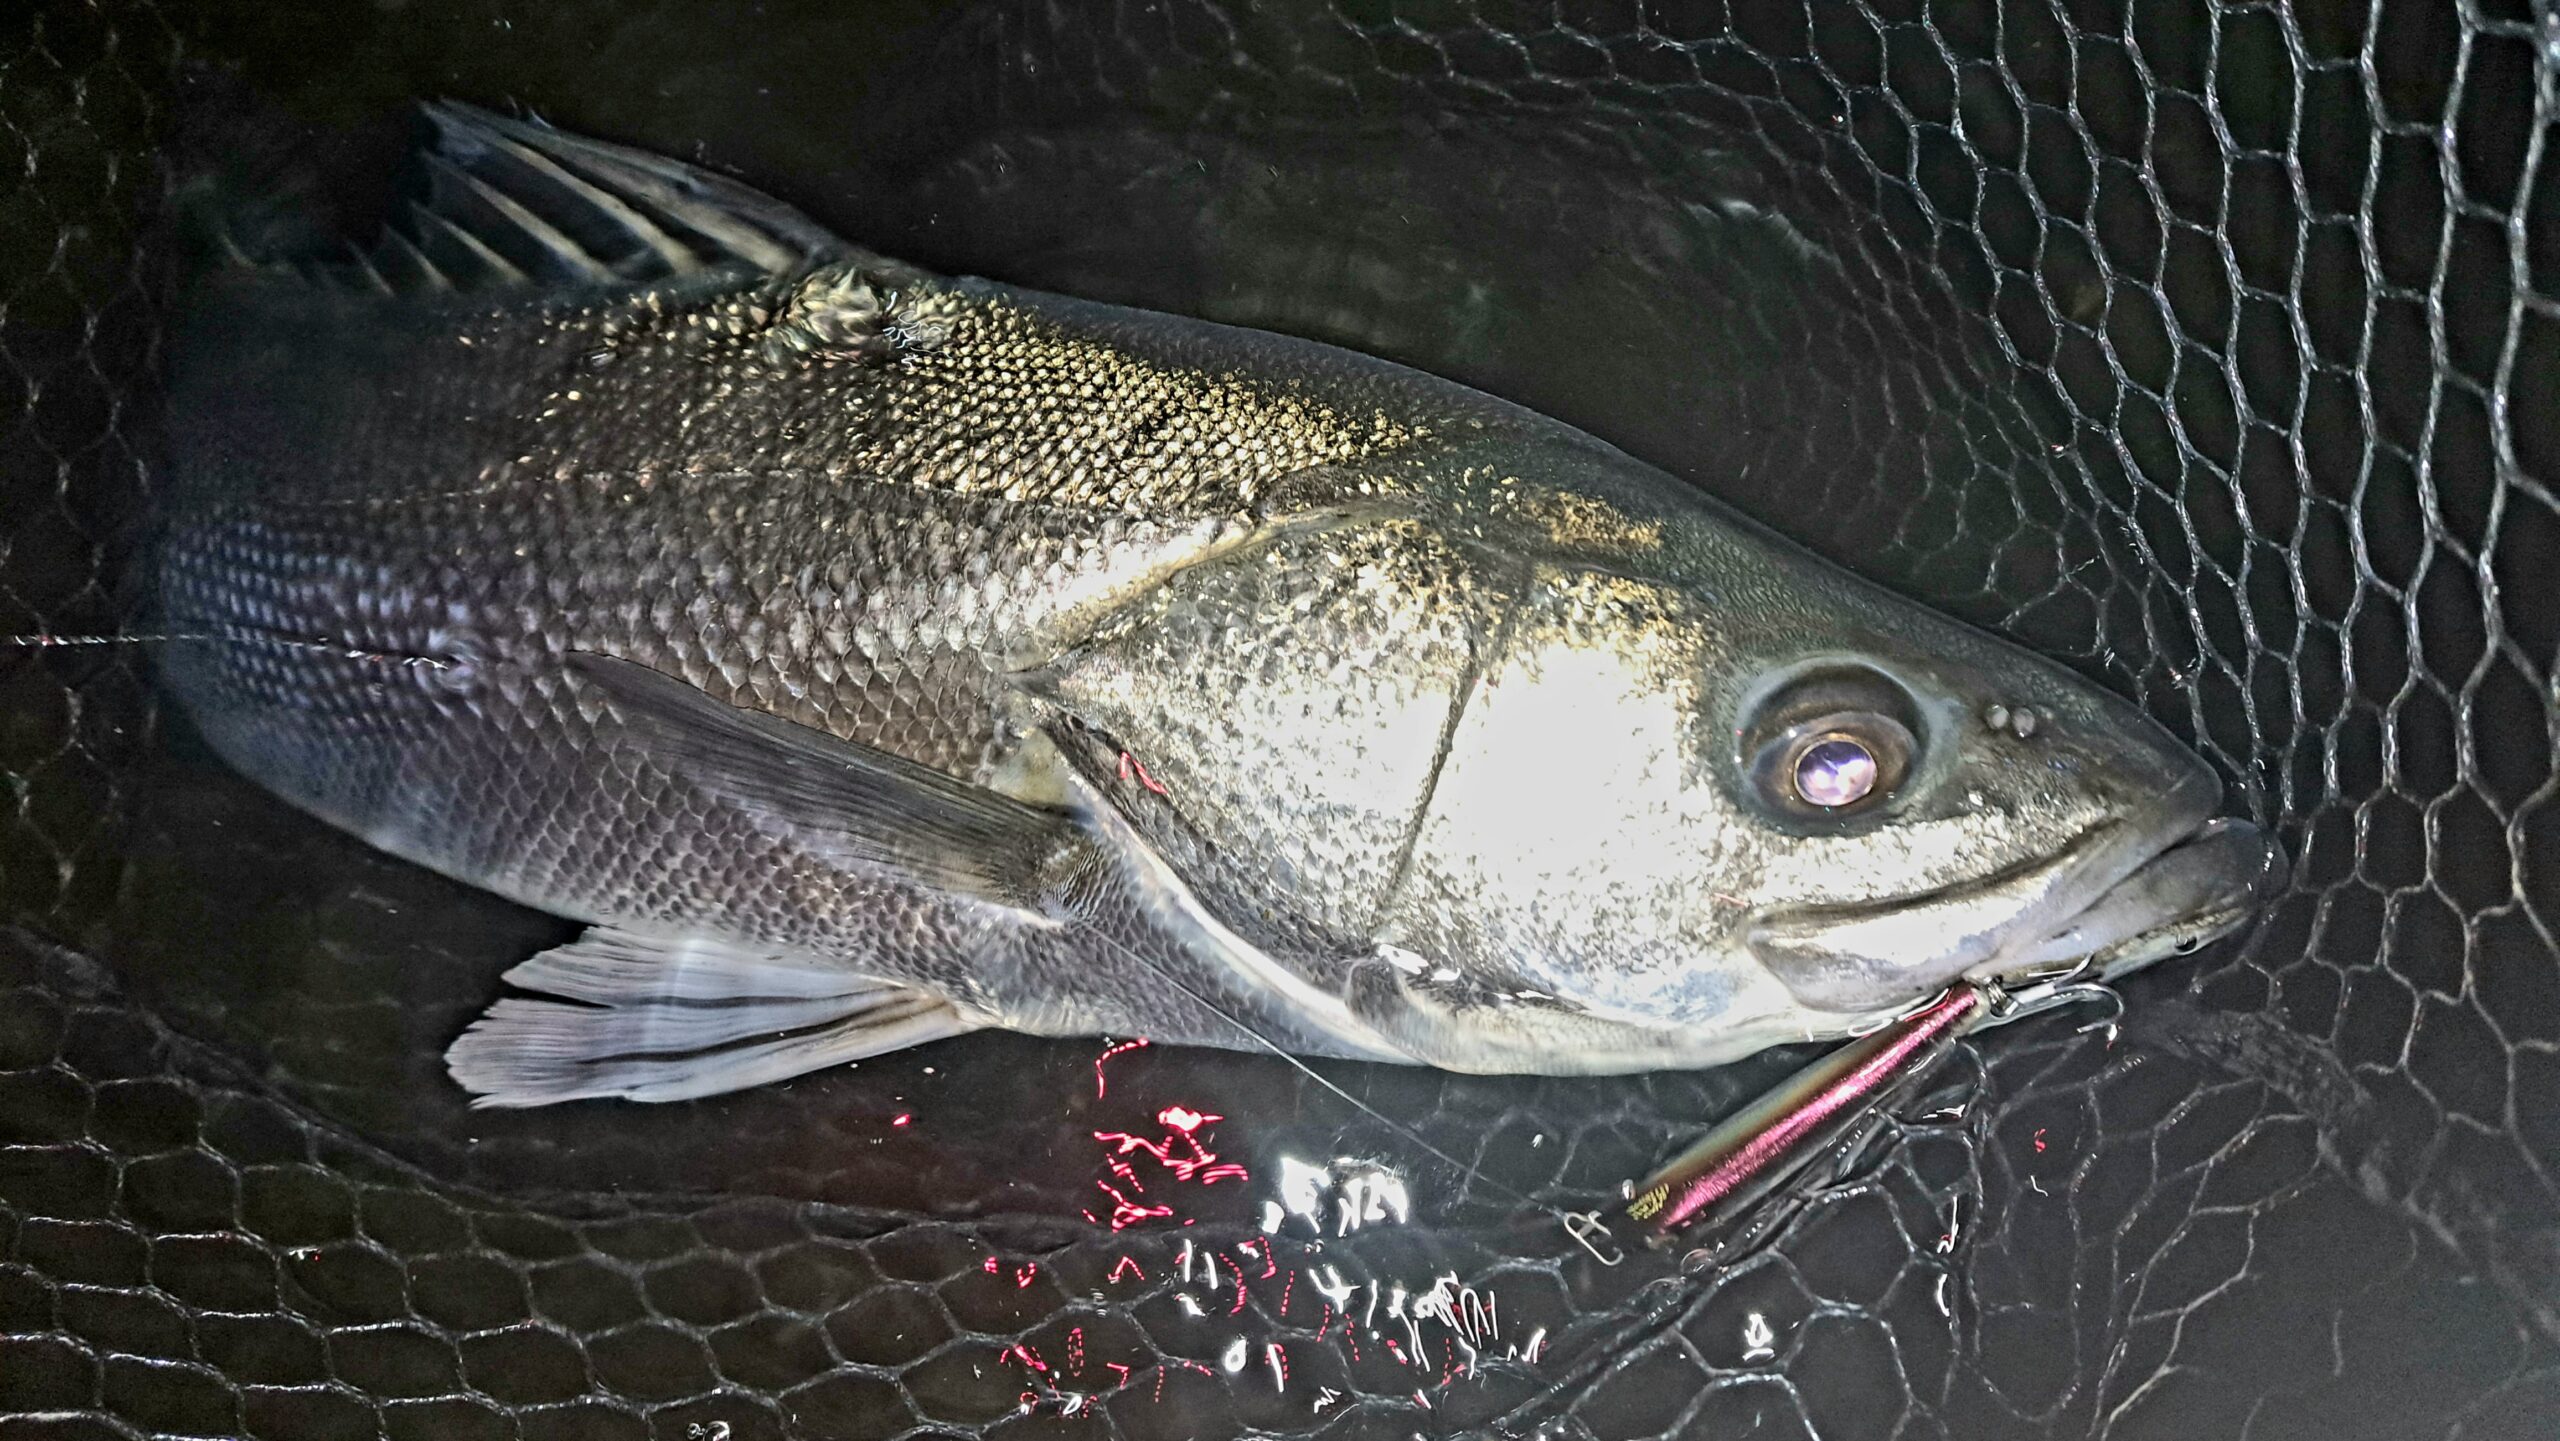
point(566, 208)
point(614, 231)
point(512, 228)
point(462, 255)
point(360, 270)
point(514, 205)
point(726, 220)
point(399, 260)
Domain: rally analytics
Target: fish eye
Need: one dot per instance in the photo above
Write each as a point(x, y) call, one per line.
point(1841, 763)
point(1832, 745)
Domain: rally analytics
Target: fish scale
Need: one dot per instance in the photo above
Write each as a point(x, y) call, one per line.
point(868, 656)
point(1385, 624)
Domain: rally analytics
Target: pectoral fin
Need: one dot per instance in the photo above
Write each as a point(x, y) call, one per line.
point(844, 802)
point(654, 1019)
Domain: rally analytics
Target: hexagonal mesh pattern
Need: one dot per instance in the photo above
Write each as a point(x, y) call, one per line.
point(2208, 346)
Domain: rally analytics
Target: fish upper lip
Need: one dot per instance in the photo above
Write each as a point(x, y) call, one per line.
point(2025, 875)
point(1837, 957)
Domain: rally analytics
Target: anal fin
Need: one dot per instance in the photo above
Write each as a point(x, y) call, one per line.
point(650, 1019)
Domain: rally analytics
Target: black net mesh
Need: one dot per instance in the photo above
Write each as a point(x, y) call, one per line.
point(2210, 347)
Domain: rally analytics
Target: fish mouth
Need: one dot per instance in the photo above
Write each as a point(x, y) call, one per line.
point(2123, 893)
point(2190, 893)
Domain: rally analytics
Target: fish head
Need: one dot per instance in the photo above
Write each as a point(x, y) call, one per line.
point(1716, 794)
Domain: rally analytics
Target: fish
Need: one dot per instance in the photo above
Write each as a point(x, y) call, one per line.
point(864, 656)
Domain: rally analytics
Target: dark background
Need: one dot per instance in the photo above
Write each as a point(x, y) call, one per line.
point(2210, 348)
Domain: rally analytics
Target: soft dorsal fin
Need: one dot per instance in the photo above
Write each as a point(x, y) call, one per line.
point(838, 799)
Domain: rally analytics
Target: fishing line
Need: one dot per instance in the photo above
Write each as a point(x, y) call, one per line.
point(44, 640)
point(1472, 1173)
point(1760, 1149)
point(1587, 1228)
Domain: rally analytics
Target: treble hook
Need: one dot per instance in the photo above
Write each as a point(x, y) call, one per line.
point(1757, 1149)
point(2064, 995)
point(2064, 989)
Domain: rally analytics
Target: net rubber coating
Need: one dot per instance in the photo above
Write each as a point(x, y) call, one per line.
point(2204, 345)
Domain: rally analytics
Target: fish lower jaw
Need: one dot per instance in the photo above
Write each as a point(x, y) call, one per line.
point(1851, 961)
point(2146, 868)
point(2193, 892)
point(1560, 1039)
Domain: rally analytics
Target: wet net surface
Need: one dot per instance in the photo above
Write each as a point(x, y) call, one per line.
point(2211, 348)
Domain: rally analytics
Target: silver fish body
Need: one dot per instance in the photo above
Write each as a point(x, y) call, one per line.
point(868, 656)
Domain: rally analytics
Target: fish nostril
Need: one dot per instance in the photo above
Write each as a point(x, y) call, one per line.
point(2019, 720)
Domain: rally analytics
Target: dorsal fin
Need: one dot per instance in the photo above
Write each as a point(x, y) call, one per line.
point(514, 203)
point(596, 189)
point(399, 260)
point(512, 228)
point(464, 256)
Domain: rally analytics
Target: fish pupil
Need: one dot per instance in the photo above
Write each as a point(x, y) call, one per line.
point(1835, 771)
